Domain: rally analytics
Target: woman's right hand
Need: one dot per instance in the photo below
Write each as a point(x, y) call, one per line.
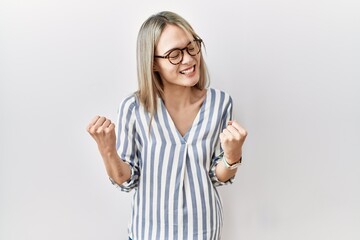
point(103, 132)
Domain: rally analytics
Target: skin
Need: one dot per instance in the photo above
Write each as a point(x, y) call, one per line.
point(182, 101)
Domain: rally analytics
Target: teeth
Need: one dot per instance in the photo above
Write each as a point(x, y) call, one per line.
point(188, 71)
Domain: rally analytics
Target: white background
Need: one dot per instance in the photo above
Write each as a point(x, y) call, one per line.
point(292, 67)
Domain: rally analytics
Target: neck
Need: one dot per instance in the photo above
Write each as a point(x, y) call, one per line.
point(178, 97)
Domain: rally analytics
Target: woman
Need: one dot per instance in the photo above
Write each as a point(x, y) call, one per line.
point(175, 139)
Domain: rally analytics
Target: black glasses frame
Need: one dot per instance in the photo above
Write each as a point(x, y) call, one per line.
point(198, 41)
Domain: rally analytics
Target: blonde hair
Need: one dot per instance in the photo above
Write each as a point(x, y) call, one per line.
point(150, 83)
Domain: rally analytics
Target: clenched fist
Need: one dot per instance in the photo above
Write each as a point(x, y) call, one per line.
point(232, 139)
point(103, 131)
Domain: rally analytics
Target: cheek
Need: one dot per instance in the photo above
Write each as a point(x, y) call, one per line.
point(168, 71)
point(198, 59)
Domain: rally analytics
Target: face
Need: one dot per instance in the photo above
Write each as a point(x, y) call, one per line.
point(186, 73)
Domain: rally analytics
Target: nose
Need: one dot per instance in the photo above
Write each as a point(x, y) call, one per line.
point(187, 57)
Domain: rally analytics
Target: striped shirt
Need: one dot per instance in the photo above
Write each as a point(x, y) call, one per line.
point(173, 175)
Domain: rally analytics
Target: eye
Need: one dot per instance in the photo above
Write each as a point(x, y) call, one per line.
point(174, 54)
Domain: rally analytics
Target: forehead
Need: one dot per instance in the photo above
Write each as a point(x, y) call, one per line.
point(173, 37)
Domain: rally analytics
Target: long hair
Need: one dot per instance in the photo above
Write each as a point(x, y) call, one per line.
point(150, 83)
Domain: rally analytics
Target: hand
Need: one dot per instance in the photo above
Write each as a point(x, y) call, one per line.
point(232, 139)
point(103, 131)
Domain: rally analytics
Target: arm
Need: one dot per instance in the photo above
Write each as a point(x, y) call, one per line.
point(232, 139)
point(103, 132)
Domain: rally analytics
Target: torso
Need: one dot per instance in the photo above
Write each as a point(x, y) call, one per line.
point(174, 177)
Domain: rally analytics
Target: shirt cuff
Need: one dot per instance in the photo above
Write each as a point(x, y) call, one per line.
point(216, 182)
point(130, 184)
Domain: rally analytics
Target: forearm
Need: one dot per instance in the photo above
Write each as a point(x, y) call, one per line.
point(116, 168)
point(103, 131)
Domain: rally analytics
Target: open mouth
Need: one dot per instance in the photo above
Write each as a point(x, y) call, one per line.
point(188, 70)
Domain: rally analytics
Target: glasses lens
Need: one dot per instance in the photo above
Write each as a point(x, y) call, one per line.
point(194, 47)
point(175, 56)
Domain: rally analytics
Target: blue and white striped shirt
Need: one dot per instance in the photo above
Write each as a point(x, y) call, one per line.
point(173, 175)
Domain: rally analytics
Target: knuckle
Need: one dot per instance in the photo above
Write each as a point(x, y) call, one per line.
point(92, 130)
point(102, 118)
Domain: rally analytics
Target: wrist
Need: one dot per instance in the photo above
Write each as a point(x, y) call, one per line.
point(231, 164)
point(232, 159)
point(109, 154)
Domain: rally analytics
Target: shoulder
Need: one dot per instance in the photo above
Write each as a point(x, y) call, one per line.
point(220, 95)
point(129, 103)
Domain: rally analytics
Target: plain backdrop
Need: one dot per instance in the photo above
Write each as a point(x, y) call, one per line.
point(292, 68)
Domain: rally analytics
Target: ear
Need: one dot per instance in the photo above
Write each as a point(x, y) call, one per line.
point(155, 67)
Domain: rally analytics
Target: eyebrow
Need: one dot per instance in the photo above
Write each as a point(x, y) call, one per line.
point(176, 48)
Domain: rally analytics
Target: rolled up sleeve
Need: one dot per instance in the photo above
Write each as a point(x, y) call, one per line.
point(218, 153)
point(126, 144)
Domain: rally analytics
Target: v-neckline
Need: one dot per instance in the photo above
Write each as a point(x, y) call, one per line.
point(193, 124)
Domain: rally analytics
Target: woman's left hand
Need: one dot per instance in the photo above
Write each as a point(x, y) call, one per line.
point(232, 139)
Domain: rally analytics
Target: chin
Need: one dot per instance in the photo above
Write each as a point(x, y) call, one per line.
point(191, 82)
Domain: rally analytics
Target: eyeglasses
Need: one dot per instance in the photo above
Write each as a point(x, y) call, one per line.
point(176, 55)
